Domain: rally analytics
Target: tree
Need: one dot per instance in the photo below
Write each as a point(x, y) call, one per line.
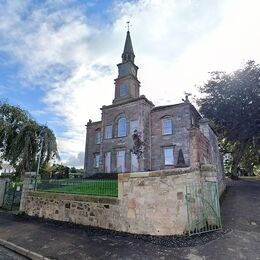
point(139, 145)
point(232, 102)
point(73, 170)
point(20, 139)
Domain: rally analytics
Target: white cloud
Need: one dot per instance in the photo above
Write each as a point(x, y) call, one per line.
point(76, 161)
point(176, 43)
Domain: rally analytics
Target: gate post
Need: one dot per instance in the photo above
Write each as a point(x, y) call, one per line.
point(27, 186)
point(2, 190)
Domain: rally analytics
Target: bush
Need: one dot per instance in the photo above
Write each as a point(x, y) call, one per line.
point(103, 176)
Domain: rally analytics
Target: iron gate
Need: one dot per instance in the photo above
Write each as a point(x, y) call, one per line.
point(203, 207)
point(12, 196)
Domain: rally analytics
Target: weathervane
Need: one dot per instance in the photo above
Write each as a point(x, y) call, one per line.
point(128, 25)
point(186, 100)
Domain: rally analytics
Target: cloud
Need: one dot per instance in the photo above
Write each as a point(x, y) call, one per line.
point(176, 44)
point(76, 161)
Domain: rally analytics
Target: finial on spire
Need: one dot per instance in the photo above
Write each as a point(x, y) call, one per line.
point(128, 53)
point(128, 25)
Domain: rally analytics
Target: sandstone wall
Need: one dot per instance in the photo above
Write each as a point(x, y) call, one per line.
point(154, 202)
point(148, 203)
point(216, 156)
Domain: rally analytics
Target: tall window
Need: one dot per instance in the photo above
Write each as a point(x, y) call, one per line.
point(168, 156)
point(96, 160)
point(98, 136)
point(134, 125)
point(108, 132)
point(123, 89)
point(120, 161)
point(108, 162)
point(121, 131)
point(167, 126)
point(134, 163)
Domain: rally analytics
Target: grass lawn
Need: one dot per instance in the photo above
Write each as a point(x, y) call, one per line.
point(97, 188)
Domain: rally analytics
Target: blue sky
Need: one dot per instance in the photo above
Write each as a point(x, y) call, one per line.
point(58, 58)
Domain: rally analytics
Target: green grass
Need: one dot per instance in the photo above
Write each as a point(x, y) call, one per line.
point(97, 188)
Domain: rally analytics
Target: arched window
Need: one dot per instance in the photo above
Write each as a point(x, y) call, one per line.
point(121, 130)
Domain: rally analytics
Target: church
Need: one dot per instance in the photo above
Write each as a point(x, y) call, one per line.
point(172, 136)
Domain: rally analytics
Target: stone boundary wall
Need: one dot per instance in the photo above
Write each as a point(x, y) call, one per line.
point(148, 203)
point(87, 210)
point(154, 202)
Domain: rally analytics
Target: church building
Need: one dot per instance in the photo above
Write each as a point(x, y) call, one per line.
point(173, 135)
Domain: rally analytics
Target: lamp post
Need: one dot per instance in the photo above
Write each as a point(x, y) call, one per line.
point(42, 136)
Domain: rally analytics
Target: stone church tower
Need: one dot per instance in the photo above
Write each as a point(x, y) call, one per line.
point(127, 85)
point(174, 135)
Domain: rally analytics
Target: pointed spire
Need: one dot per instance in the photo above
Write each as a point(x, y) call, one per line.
point(128, 54)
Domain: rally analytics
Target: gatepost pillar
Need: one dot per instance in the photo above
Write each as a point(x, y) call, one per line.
point(3, 183)
point(28, 185)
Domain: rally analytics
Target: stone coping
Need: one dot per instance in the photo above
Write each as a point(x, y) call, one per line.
point(159, 173)
point(208, 167)
point(74, 197)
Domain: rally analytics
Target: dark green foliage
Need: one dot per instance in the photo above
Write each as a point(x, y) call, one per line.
point(104, 176)
point(139, 145)
point(232, 102)
point(73, 170)
point(20, 139)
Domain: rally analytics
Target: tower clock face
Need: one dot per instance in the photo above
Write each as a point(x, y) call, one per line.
point(133, 71)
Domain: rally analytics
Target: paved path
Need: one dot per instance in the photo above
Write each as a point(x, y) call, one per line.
point(6, 254)
point(240, 213)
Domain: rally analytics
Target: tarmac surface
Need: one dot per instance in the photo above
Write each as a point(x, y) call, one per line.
point(240, 210)
point(7, 254)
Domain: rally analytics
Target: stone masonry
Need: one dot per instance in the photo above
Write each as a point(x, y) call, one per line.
point(148, 202)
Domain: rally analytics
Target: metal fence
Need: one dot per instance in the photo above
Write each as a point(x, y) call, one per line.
point(79, 186)
point(203, 207)
point(12, 196)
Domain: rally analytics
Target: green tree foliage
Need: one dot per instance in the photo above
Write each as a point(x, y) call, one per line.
point(20, 139)
point(232, 102)
point(73, 170)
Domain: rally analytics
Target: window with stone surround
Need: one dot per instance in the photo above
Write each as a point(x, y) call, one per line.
point(108, 162)
point(108, 132)
point(96, 160)
point(123, 89)
point(98, 136)
point(121, 127)
point(134, 125)
point(134, 163)
point(168, 156)
point(120, 161)
point(166, 126)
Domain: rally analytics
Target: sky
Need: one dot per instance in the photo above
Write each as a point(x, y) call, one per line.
point(58, 58)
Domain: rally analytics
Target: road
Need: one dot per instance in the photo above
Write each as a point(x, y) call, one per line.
point(6, 254)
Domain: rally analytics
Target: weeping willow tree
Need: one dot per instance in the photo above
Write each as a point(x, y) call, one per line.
point(21, 137)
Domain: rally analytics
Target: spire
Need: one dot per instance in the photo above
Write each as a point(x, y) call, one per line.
point(128, 54)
